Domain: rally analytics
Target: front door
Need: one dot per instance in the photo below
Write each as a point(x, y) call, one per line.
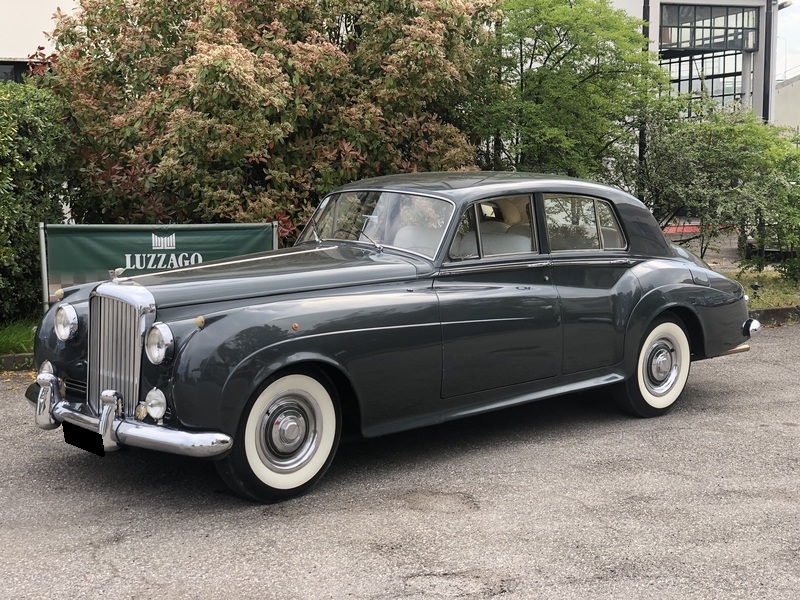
point(499, 308)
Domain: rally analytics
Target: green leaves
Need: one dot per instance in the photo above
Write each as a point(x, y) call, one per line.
point(559, 85)
point(723, 165)
point(33, 171)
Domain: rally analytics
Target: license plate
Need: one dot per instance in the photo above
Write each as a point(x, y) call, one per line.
point(91, 441)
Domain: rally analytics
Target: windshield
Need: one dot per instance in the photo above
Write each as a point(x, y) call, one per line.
point(406, 221)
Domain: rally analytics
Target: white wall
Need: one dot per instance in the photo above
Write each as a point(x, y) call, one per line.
point(787, 102)
point(23, 23)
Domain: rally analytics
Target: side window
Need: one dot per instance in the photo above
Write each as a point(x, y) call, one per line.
point(571, 222)
point(610, 231)
point(581, 223)
point(466, 243)
point(496, 227)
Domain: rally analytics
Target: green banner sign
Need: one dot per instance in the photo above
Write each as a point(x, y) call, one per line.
point(83, 253)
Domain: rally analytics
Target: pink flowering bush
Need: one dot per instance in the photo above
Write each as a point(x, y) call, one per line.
point(250, 110)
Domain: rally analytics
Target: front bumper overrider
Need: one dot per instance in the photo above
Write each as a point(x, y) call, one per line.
point(52, 410)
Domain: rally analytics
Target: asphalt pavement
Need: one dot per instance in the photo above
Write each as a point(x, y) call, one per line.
point(565, 498)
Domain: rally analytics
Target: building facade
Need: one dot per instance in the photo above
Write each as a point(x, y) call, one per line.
point(787, 102)
point(22, 31)
point(726, 46)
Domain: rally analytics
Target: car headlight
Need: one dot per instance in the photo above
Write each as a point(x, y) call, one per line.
point(159, 344)
point(66, 322)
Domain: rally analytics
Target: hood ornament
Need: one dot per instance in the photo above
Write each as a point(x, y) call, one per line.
point(114, 274)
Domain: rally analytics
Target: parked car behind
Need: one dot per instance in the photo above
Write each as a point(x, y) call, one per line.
point(407, 301)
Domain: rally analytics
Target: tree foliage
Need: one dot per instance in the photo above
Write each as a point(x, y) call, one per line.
point(245, 110)
point(32, 173)
point(723, 165)
point(560, 85)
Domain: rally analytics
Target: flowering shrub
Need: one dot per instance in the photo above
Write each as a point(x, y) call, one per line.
point(248, 110)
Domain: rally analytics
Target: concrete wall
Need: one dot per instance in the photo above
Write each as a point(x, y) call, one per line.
point(787, 102)
point(23, 23)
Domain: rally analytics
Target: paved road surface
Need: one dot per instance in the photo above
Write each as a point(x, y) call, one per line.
point(562, 499)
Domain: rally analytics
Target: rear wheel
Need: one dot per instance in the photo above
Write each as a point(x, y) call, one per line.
point(662, 369)
point(286, 440)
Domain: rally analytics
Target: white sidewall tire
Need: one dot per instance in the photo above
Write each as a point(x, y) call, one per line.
point(675, 332)
point(325, 416)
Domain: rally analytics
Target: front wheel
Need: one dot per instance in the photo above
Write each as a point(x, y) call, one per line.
point(286, 440)
point(662, 368)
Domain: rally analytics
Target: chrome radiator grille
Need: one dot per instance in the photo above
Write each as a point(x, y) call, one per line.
point(115, 351)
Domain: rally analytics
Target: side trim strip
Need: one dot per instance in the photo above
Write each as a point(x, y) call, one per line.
point(493, 268)
point(616, 262)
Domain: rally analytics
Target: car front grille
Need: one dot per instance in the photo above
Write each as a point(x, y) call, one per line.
point(115, 349)
point(75, 388)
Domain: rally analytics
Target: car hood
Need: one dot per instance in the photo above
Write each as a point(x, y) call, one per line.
point(301, 268)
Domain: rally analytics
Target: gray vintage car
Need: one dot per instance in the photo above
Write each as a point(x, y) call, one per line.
point(407, 301)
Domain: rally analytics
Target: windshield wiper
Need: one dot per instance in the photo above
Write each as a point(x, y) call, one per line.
point(378, 247)
point(357, 235)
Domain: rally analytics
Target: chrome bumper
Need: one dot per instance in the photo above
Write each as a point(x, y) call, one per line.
point(751, 327)
point(52, 410)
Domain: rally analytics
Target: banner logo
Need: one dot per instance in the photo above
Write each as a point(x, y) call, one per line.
point(164, 243)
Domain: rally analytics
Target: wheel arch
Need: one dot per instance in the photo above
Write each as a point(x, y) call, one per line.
point(656, 304)
point(348, 399)
point(692, 325)
point(249, 378)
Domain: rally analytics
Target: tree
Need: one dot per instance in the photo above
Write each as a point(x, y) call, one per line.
point(244, 110)
point(723, 165)
point(32, 173)
point(560, 86)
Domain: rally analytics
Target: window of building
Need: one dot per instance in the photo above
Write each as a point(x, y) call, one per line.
point(720, 72)
point(13, 70)
point(7, 73)
point(708, 28)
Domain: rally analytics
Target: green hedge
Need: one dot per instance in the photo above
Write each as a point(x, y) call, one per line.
point(32, 187)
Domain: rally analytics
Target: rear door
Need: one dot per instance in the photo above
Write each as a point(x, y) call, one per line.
point(590, 269)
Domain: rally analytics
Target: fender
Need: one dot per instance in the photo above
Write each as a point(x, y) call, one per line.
point(368, 336)
point(249, 375)
point(675, 297)
point(665, 284)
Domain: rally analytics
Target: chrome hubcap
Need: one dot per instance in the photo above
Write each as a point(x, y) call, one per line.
point(287, 431)
point(661, 366)
point(288, 434)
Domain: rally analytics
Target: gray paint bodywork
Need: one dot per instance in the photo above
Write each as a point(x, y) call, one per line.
point(419, 341)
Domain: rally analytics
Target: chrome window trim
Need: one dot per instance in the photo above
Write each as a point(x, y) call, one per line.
point(605, 262)
point(445, 228)
point(450, 269)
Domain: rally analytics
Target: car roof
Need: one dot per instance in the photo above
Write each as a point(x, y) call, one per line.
point(462, 187)
point(466, 186)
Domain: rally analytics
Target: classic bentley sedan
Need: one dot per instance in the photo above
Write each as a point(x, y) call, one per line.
point(407, 301)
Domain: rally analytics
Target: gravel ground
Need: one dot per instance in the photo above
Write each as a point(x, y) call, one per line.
point(565, 498)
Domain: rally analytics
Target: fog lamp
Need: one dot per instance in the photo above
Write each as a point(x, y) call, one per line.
point(66, 322)
point(156, 403)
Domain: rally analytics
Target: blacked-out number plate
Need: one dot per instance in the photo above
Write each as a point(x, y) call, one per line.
point(91, 441)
